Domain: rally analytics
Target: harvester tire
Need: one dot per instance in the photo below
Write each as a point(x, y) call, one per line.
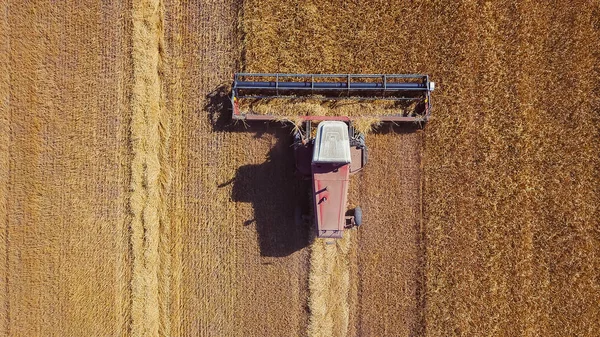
point(361, 139)
point(358, 140)
point(358, 216)
point(361, 144)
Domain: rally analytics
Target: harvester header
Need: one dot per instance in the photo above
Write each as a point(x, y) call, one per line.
point(337, 150)
point(401, 88)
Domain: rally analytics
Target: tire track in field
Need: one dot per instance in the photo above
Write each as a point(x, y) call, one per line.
point(150, 225)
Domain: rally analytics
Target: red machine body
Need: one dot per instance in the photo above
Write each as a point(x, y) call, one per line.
point(329, 159)
point(330, 189)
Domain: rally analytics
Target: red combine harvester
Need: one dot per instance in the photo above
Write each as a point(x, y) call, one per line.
point(336, 150)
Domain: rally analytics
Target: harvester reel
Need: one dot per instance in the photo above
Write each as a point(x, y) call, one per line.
point(334, 88)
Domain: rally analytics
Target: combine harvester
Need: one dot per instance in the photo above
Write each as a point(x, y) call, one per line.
point(336, 150)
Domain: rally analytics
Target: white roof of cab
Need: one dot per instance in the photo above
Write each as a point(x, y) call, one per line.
point(332, 144)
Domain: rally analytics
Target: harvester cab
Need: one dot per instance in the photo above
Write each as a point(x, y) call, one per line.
point(336, 150)
point(331, 168)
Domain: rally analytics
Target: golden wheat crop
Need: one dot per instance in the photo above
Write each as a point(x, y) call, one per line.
point(324, 107)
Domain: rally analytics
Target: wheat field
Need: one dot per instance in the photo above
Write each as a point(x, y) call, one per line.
point(66, 267)
point(131, 205)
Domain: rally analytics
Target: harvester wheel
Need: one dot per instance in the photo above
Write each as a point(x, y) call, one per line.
point(360, 143)
point(361, 139)
point(358, 140)
point(358, 216)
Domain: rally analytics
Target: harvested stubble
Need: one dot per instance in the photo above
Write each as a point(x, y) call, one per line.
point(85, 234)
point(66, 268)
point(114, 221)
point(510, 162)
point(244, 263)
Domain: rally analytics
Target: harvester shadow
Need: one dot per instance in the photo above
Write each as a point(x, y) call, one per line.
point(274, 192)
point(388, 128)
point(219, 109)
point(218, 106)
point(271, 187)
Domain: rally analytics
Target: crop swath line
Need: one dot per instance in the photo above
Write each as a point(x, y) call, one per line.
point(150, 174)
point(329, 283)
